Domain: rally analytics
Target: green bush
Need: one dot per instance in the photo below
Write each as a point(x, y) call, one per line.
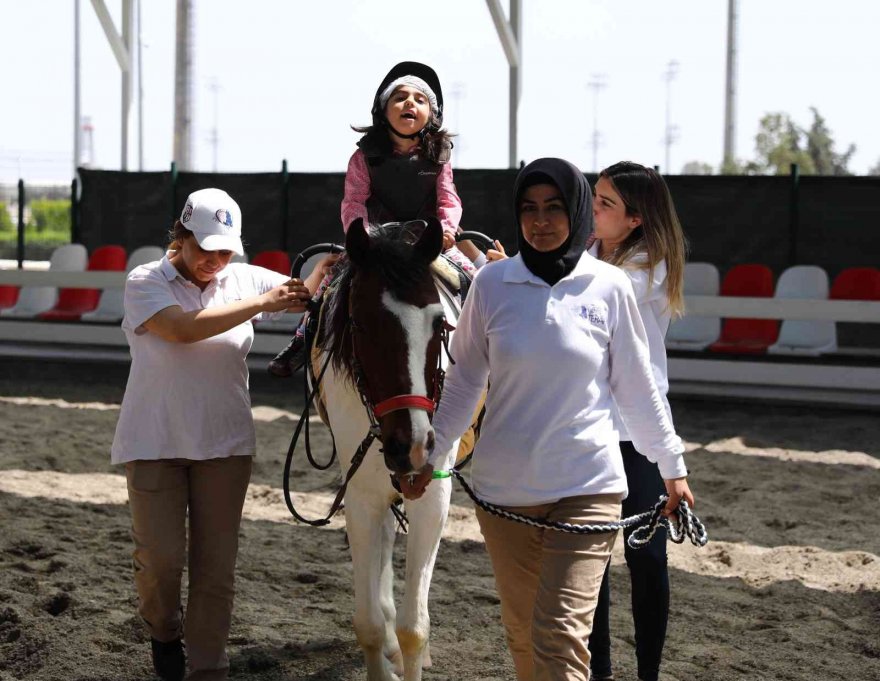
point(7, 226)
point(50, 216)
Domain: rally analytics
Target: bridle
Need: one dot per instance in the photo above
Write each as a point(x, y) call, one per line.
point(375, 411)
point(428, 403)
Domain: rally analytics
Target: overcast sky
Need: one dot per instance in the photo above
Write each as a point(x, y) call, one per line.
point(290, 76)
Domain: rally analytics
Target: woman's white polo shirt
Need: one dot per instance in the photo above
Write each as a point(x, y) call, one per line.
point(187, 400)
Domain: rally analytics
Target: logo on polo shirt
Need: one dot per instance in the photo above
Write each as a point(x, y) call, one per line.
point(593, 313)
point(224, 217)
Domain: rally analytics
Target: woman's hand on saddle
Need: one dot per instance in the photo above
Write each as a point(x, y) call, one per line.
point(291, 296)
point(448, 241)
point(677, 489)
point(413, 485)
point(496, 253)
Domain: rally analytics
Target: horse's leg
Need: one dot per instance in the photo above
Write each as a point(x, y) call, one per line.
point(426, 519)
point(364, 522)
point(386, 587)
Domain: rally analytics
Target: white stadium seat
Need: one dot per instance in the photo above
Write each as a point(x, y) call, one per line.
point(804, 337)
point(691, 332)
point(32, 300)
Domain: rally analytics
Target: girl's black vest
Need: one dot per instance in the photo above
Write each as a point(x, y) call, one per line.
point(401, 187)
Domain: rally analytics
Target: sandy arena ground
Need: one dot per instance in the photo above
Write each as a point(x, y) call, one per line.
point(788, 587)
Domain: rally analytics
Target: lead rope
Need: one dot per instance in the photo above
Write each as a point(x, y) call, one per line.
point(685, 524)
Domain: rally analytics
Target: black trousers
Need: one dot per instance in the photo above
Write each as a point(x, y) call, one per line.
point(648, 574)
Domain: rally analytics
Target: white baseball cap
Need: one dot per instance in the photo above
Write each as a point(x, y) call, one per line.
point(215, 219)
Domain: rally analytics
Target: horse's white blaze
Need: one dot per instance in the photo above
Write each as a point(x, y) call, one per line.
point(418, 325)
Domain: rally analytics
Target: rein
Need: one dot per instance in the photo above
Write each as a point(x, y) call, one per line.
point(686, 524)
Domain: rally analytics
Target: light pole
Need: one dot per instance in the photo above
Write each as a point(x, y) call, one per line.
point(596, 84)
point(671, 133)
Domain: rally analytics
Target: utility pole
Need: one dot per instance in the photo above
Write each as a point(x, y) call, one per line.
point(458, 93)
point(596, 84)
point(214, 137)
point(510, 33)
point(76, 89)
point(671, 133)
point(182, 153)
point(127, 30)
point(140, 82)
point(730, 89)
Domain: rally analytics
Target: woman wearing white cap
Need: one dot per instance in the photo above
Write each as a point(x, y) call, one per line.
point(185, 431)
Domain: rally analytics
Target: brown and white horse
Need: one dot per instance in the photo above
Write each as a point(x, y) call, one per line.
point(383, 330)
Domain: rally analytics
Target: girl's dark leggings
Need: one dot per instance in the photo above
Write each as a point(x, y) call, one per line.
point(648, 573)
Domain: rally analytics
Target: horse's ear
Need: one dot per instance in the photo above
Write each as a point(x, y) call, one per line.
point(357, 241)
point(430, 243)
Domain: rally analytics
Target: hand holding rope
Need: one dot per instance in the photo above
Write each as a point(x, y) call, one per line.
point(683, 524)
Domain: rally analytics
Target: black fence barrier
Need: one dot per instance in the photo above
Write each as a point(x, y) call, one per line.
point(833, 222)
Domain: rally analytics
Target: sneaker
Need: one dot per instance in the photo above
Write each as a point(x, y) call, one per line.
point(290, 359)
point(169, 660)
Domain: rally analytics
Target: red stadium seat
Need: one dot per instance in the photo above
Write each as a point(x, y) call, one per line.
point(8, 296)
point(747, 336)
point(73, 302)
point(277, 261)
point(856, 283)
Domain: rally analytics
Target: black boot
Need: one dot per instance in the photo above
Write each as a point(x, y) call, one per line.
point(290, 359)
point(169, 660)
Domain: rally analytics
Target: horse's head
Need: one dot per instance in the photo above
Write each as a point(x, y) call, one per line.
point(396, 325)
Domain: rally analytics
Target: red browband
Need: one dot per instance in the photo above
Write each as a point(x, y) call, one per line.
point(404, 402)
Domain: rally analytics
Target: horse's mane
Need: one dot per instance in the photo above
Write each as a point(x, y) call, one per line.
point(391, 259)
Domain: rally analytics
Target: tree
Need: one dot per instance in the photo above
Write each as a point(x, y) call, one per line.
point(876, 169)
point(820, 146)
point(50, 215)
point(6, 224)
point(696, 168)
point(778, 144)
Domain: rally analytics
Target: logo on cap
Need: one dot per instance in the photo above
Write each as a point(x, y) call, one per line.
point(224, 217)
point(187, 213)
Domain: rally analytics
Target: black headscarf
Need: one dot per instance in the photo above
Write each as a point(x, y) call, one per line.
point(553, 265)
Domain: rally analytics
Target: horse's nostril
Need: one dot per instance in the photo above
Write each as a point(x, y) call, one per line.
point(429, 441)
point(396, 453)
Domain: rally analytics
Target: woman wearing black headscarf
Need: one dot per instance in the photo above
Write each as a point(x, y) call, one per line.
point(559, 334)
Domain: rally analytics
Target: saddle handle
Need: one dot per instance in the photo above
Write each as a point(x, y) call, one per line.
point(317, 249)
point(483, 241)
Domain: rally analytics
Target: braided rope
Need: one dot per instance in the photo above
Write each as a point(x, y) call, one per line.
point(685, 523)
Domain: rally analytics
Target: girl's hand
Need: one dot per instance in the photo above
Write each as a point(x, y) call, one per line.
point(326, 265)
point(322, 269)
point(291, 296)
point(448, 241)
point(413, 485)
point(496, 253)
point(677, 489)
point(467, 247)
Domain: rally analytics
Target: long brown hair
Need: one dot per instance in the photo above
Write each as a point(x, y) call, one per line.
point(659, 236)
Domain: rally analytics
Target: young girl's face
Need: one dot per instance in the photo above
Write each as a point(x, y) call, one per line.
point(611, 223)
point(408, 110)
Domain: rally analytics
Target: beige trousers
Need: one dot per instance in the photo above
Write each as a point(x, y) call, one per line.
point(549, 583)
point(160, 493)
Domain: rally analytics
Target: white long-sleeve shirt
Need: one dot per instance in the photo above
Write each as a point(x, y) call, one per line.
point(558, 357)
point(655, 313)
